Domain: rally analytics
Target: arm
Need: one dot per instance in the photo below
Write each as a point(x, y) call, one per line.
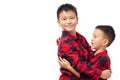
point(71, 55)
point(106, 74)
point(95, 72)
point(65, 64)
point(75, 61)
point(102, 64)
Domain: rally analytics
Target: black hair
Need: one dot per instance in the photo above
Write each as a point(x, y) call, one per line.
point(66, 7)
point(109, 32)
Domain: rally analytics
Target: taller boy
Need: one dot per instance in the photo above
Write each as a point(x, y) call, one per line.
point(74, 47)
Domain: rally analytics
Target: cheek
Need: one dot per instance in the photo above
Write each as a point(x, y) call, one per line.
point(75, 22)
point(96, 41)
point(61, 24)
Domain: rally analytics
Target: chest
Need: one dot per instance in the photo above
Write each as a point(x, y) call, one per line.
point(80, 48)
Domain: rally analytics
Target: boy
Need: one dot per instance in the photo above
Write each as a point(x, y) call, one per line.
point(74, 47)
point(103, 36)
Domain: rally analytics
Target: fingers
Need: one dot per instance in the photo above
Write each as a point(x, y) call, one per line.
point(109, 71)
point(65, 60)
point(61, 62)
point(60, 59)
point(58, 40)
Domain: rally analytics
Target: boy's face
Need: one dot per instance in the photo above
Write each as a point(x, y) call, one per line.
point(68, 21)
point(99, 40)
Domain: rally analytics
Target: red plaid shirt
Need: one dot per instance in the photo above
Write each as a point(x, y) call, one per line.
point(78, 52)
point(101, 61)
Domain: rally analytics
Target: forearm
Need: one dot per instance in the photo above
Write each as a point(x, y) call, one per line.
point(106, 74)
point(89, 70)
point(65, 64)
point(71, 69)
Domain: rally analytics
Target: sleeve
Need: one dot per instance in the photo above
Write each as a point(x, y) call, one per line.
point(88, 48)
point(89, 70)
point(68, 52)
point(103, 62)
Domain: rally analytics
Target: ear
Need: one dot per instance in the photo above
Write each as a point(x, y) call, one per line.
point(59, 23)
point(105, 42)
point(77, 20)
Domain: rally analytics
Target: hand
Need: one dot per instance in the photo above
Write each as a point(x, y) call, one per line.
point(58, 40)
point(64, 63)
point(106, 74)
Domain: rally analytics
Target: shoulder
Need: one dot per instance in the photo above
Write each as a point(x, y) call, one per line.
point(103, 60)
point(80, 35)
point(103, 55)
point(64, 44)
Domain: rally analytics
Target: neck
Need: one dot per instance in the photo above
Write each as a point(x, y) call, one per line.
point(99, 50)
point(73, 33)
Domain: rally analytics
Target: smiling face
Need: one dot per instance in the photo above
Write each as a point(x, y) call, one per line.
point(99, 41)
point(68, 21)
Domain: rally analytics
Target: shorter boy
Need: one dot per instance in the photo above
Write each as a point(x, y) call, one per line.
point(103, 36)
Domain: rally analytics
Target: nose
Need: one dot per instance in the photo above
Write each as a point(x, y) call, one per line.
point(91, 39)
point(68, 21)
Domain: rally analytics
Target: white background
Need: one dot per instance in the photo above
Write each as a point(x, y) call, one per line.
point(29, 29)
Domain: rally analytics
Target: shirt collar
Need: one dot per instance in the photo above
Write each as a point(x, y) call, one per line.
point(66, 34)
point(104, 52)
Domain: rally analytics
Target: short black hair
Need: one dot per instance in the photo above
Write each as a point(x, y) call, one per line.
point(109, 32)
point(66, 7)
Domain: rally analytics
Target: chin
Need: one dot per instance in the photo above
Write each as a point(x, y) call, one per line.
point(93, 47)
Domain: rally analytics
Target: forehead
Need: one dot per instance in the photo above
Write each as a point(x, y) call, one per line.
point(98, 32)
point(67, 13)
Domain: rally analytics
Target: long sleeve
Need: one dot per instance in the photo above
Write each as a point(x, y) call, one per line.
point(83, 66)
point(88, 70)
point(78, 52)
point(78, 61)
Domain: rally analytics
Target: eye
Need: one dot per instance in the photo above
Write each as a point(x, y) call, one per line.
point(64, 19)
point(95, 36)
point(72, 18)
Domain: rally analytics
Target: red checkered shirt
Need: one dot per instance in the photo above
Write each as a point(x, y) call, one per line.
point(78, 52)
point(101, 61)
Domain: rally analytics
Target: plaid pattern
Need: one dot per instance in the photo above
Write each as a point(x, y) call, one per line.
point(101, 61)
point(78, 52)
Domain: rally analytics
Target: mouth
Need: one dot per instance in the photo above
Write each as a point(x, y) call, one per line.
point(69, 26)
point(92, 43)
